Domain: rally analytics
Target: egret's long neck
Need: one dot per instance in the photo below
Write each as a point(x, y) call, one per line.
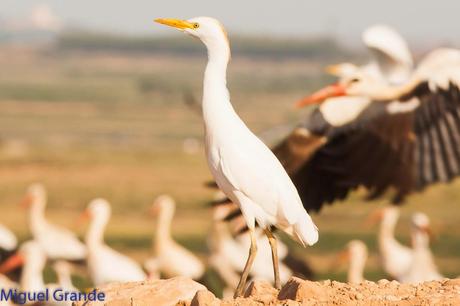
point(217, 109)
point(95, 235)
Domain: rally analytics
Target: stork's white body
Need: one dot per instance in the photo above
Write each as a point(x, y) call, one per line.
point(8, 240)
point(57, 242)
point(422, 267)
point(395, 257)
point(105, 264)
point(6, 284)
point(32, 273)
point(171, 258)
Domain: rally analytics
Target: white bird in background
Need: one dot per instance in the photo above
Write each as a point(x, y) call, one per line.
point(391, 62)
point(171, 258)
point(8, 240)
point(423, 267)
point(63, 271)
point(6, 284)
point(227, 255)
point(56, 241)
point(106, 265)
point(242, 165)
point(395, 257)
point(33, 258)
point(355, 254)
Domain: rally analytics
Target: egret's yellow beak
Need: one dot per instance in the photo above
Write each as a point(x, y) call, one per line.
point(175, 23)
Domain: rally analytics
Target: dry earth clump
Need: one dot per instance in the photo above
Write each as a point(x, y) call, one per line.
point(185, 292)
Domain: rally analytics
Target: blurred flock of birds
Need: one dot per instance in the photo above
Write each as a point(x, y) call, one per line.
point(383, 126)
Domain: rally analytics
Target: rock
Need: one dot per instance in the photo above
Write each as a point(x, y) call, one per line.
point(452, 282)
point(261, 291)
point(205, 298)
point(301, 290)
point(185, 292)
point(147, 293)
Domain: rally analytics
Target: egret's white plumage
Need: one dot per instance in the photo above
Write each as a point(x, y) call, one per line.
point(104, 263)
point(56, 241)
point(242, 165)
point(171, 259)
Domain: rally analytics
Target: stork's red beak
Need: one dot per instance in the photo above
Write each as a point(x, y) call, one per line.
point(374, 217)
point(11, 263)
point(27, 201)
point(429, 232)
point(341, 257)
point(335, 90)
point(84, 216)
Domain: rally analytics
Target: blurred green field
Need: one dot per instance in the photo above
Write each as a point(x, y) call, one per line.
point(112, 125)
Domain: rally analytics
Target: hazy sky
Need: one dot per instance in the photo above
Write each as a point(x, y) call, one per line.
point(421, 21)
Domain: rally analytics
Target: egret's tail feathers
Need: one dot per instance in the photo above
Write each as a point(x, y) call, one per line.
point(306, 231)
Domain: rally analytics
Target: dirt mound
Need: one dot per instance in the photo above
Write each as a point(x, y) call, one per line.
point(185, 292)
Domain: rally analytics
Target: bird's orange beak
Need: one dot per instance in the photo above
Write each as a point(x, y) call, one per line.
point(84, 216)
point(374, 218)
point(12, 263)
point(154, 210)
point(341, 258)
point(26, 201)
point(429, 232)
point(335, 90)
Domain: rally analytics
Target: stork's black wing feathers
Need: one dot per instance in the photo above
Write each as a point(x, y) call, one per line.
point(403, 151)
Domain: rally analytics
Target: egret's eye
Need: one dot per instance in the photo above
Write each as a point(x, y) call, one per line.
point(196, 25)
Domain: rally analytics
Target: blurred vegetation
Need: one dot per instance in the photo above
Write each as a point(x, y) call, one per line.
point(320, 48)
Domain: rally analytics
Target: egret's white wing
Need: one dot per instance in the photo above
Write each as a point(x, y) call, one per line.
point(252, 169)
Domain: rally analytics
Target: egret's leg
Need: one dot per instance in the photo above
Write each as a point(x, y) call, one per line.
point(276, 268)
point(247, 267)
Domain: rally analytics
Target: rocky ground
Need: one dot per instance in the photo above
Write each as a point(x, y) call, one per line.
point(185, 292)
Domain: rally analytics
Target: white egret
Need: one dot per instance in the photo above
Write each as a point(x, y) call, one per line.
point(242, 165)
